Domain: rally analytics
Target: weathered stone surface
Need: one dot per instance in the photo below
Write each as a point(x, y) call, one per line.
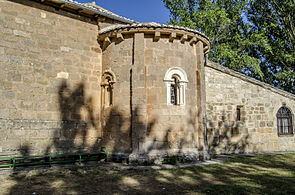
point(227, 90)
point(38, 49)
point(69, 84)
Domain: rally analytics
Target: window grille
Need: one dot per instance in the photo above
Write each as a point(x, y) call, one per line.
point(173, 95)
point(284, 121)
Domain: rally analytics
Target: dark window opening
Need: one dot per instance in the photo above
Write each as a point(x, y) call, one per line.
point(173, 95)
point(174, 91)
point(238, 114)
point(284, 121)
point(108, 92)
point(110, 95)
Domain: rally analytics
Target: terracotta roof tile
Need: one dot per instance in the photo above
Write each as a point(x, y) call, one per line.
point(149, 24)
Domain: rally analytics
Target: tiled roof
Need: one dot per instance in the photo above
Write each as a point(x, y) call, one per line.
point(100, 9)
point(92, 7)
point(150, 24)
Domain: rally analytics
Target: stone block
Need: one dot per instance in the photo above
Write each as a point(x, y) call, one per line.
point(3, 58)
point(21, 33)
point(268, 130)
point(270, 123)
point(2, 50)
point(8, 94)
point(262, 124)
point(14, 76)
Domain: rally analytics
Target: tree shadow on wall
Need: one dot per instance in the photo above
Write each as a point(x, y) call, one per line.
point(78, 124)
point(77, 121)
point(200, 179)
point(80, 129)
point(227, 137)
point(177, 141)
point(116, 128)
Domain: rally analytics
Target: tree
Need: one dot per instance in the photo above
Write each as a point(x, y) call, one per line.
point(223, 22)
point(242, 38)
point(275, 20)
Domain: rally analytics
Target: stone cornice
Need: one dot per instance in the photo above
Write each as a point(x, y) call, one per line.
point(243, 77)
point(171, 32)
point(149, 24)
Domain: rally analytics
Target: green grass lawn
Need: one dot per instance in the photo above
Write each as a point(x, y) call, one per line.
point(263, 174)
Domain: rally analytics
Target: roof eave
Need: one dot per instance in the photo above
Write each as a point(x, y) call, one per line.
point(88, 10)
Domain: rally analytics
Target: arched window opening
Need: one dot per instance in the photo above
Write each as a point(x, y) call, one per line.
point(284, 121)
point(107, 88)
point(175, 90)
point(175, 80)
point(108, 101)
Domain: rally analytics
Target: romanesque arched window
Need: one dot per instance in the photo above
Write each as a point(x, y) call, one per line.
point(108, 80)
point(284, 121)
point(175, 80)
point(175, 91)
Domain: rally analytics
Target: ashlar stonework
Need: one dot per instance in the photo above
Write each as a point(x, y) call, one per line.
point(75, 77)
point(258, 103)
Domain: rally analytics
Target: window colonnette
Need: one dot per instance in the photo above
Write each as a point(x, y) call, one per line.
point(175, 80)
point(108, 79)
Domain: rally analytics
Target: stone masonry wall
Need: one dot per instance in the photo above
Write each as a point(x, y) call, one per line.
point(170, 127)
point(50, 88)
point(256, 131)
point(117, 57)
point(139, 120)
point(49, 80)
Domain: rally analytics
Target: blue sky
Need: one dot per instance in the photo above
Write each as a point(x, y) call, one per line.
point(138, 10)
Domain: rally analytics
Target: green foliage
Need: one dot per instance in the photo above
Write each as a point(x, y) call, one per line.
point(174, 160)
point(275, 21)
point(250, 36)
point(222, 21)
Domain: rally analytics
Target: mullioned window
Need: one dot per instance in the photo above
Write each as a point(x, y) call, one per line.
point(284, 121)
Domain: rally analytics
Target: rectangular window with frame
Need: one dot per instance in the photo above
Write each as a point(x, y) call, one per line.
point(238, 113)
